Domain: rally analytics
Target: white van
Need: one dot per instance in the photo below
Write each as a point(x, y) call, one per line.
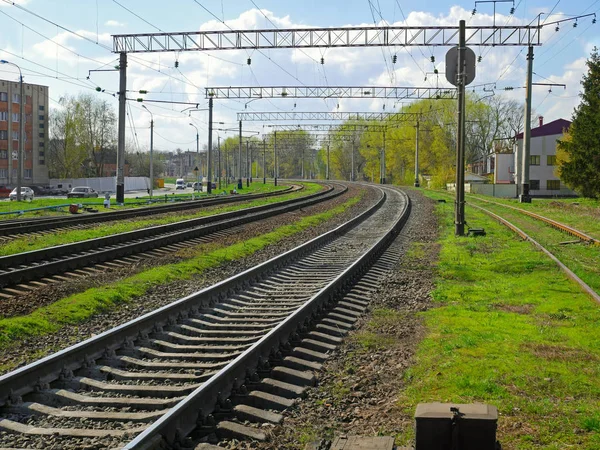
point(179, 183)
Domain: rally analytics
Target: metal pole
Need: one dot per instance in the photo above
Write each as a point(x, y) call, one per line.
point(352, 173)
point(121, 138)
point(383, 161)
point(417, 157)
point(209, 156)
point(264, 161)
point(525, 197)
point(151, 155)
point(274, 157)
point(198, 173)
point(327, 174)
point(219, 148)
point(247, 164)
point(459, 216)
point(302, 165)
point(21, 138)
point(239, 165)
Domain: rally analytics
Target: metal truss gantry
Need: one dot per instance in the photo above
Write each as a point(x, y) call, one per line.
point(398, 93)
point(373, 36)
point(281, 116)
point(369, 128)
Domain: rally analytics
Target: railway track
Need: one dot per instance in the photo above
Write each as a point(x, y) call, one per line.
point(216, 363)
point(23, 272)
point(44, 225)
point(553, 223)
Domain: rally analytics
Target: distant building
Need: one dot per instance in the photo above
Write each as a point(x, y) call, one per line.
point(542, 159)
point(36, 108)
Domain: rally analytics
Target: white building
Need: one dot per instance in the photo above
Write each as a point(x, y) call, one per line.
point(543, 182)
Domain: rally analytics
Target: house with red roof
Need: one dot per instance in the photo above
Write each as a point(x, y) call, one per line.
point(543, 182)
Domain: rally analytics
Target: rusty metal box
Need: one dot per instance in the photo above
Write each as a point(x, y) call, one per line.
point(445, 426)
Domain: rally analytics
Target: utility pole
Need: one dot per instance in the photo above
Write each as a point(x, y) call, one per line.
point(302, 165)
point(352, 173)
point(274, 156)
point(239, 166)
point(264, 160)
point(151, 150)
point(121, 127)
point(382, 181)
point(417, 184)
point(219, 149)
point(459, 212)
point(209, 155)
point(247, 164)
point(524, 197)
point(327, 173)
point(198, 172)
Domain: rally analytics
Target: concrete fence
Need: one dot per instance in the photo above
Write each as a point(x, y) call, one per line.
point(104, 184)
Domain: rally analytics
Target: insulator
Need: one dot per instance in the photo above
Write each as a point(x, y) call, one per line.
point(322, 60)
point(435, 71)
point(479, 58)
point(249, 61)
point(98, 89)
point(594, 20)
point(512, 10)
point(575, 24)
point(176, 64)
point(557, 28)
point(432, 58)
point(394, 59)
point(474, 12)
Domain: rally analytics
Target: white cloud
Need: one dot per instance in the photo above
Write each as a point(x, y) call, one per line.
point(114, 23)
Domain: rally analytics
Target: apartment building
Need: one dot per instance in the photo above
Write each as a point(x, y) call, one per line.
point(35, 171)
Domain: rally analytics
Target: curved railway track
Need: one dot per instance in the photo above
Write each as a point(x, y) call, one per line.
point(213, 363)
point(14, 227)
point(36, 266)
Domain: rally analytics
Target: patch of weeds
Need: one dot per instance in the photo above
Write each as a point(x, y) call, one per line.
point(591, 424)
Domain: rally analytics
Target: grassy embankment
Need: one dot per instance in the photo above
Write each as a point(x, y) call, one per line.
point(80, 307)
point(34, 242)
point(508, 328)
point(43, 202)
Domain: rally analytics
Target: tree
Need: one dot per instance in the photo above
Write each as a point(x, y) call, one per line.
point(66, 154)
point(578, 155)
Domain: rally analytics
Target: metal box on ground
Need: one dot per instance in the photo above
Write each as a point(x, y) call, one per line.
point(446, 426)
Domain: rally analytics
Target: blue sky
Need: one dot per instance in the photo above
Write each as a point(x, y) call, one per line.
point(561, 58)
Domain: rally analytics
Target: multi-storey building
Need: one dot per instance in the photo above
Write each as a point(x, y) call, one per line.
point(35, 171)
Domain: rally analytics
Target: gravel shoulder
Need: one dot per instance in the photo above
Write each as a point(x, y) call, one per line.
point(359, 385)
point(27, 351)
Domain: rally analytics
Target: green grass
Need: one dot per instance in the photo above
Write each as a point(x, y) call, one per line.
point(580, 213)
point(81, 306)
point(42, 202)
point(36, 242)
point(509, 329)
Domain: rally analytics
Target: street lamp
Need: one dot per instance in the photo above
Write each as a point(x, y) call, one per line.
point(21, 132)
point(151, 150)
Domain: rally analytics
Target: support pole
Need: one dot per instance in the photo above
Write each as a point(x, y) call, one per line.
point(209, 155)
point(239, 165)
point(264, 160)
point(219, 149)
point(525, 197)
point(327, 174)
point(459, 209)
point(274, 157)
point(198, 162)
point(121, 127)
point(247, 164)
point(417, 184)
point(352, 172)
point(302, 165)
point(383, 161)
point(21, 138)
point(151, 156)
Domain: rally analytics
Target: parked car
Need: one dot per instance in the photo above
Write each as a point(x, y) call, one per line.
point(4, 192)
point(26, 194)
point(179, 184)
point(82, 192)
point(42, 190)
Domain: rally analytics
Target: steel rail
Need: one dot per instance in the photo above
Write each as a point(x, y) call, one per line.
point(44, 262)
point(584, 286)
point(553, 223)
point(20, 226)
point(184, 417)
